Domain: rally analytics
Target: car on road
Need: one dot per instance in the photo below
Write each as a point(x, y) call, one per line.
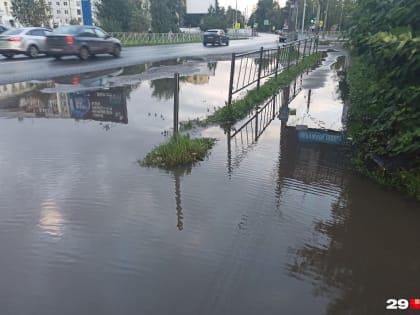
point(215, 37)
point(29, 41)
point(283, 33)
point(3, 28)
point(82, 41)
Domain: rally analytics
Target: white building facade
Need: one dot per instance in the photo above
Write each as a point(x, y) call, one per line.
point(65, 11)
point(6, 12)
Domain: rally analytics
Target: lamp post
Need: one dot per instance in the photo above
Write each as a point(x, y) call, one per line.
point(303, 16)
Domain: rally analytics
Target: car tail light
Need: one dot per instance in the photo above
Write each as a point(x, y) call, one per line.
point(15, 39)
point(69, 40)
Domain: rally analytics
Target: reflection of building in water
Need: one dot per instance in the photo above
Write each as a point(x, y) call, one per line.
point(14, 89)
point(197, 79)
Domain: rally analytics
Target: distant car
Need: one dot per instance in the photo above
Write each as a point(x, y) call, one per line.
point(215, 37)
point(283, 35)
point(29, 41)
point(3, 28)
point(81, 41)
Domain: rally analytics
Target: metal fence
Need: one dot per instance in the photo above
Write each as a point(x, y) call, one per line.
point(157, 38)
point(250, 68)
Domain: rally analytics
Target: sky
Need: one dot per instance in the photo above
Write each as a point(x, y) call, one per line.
point(242, 4)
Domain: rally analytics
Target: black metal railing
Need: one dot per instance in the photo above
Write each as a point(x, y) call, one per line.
point(252, 67)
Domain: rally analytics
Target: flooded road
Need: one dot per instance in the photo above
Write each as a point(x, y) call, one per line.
point(273, 226)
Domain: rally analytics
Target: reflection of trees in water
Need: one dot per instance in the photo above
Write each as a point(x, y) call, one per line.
point(212, 66)
point(163, 88)
point(368, 254)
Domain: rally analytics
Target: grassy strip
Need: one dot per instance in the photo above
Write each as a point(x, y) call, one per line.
point(239, 109)
point(142, 42)
point(179, 150)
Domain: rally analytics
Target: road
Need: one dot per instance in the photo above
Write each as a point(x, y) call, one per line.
point(24, 69)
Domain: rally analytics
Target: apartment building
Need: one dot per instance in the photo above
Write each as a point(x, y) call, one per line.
point(6, 17)
point(64, 11)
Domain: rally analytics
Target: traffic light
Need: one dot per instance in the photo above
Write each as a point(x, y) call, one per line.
point(312, 21)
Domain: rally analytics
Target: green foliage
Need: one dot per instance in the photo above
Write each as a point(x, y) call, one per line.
point(178, 151)
point(384, 80)
point(122, 16)
point(31, 12)
point(165, 15)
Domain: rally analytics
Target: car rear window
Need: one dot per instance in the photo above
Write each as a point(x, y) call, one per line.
point(13, 32)
point(211, 32)
point(67, 29)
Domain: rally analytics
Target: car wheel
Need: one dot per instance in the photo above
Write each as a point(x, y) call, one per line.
point(33, 51)
point(84, 53)
point(227, 43)
point(204, 44)
point(8, 56)
point(116, 52)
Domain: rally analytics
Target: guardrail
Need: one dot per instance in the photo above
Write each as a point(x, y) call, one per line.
point(156, 38)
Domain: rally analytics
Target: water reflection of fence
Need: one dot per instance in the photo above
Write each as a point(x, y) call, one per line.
point(249, 132)
point(250, 68)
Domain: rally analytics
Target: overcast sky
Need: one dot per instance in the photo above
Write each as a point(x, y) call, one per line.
point(242, 4)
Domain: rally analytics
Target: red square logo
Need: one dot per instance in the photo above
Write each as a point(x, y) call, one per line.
point(415, 304)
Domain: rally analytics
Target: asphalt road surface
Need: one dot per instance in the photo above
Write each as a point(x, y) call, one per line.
point(24, 69)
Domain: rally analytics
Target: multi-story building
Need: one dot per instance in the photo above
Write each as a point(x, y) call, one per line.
point(6, 17)
point(65, 11)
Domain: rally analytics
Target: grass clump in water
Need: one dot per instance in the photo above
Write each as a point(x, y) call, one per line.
point(178, 151)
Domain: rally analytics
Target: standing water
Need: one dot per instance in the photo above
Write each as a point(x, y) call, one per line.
point(273, 226)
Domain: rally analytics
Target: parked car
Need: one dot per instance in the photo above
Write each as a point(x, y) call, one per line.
point(29, 41)
point(215, 37)
point(81, 41)
point(3, 28)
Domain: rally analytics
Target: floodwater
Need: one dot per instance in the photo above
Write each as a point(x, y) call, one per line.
point(273, 226)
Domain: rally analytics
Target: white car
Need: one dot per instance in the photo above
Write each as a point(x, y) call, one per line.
point(30, 41)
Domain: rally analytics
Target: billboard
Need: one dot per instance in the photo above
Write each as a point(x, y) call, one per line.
point(199, 6)
point(87, 12)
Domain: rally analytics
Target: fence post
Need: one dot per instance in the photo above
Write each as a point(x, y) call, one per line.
point(176, 103)
point(277, 61)
point(256, 123)
point(289, 56)
point(274, 106)
point(232, 75)
point(304, 50)
point(260, 68)
point(297, 57)
point(316, 44)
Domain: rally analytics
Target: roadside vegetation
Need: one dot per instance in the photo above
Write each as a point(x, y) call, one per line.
point(384, 119)
point(179, 150)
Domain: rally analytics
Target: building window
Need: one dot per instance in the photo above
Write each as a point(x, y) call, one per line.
point(64, 3)
point(58, 11)
point(79, 12)
point(66, 11)
point(57, 3)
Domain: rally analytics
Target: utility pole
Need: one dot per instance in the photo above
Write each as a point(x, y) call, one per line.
point(324, 26)
point(292, 21)
point(303, 16)
point(318, 15)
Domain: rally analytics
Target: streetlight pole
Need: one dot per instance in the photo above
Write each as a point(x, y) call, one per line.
point(303, 16)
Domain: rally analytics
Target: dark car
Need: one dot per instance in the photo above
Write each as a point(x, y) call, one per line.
point(3, 28)
point(283, 35)
point(215, 37)
point(81, 41)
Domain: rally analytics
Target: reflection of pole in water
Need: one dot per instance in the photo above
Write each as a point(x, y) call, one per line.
point(179, 213)
point(229, 151)
point(309, 100)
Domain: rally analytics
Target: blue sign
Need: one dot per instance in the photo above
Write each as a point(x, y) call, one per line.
point(87, 12)
point(79, 105)
point(319, 136)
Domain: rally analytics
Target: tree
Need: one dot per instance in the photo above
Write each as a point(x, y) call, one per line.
point(122, 15)
point(215, 18)
point(31, 12)
point(165, 15)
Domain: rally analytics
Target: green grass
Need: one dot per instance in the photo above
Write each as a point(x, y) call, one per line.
point(178, 151)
